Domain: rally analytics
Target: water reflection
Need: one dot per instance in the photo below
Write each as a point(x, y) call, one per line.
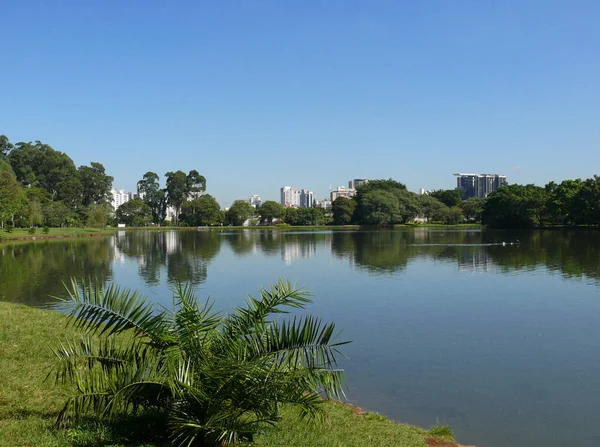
point(30, 272)
point(180, 256)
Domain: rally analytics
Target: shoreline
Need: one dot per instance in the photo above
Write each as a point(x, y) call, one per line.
point(24, 390)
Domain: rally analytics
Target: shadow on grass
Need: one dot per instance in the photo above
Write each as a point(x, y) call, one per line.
point(144, 430)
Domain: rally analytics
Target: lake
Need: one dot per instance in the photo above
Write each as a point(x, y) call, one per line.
point(502, 342)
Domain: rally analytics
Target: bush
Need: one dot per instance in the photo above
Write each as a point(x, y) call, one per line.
point(46, 230)
point(8, 228)
point(214, 378)
point(31, 230)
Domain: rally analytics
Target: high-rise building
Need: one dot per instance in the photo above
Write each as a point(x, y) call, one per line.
point(255, 201)
point(341, 191)
point(299, 198)
point(355, 183)
point(479, 185)
point(119, 197)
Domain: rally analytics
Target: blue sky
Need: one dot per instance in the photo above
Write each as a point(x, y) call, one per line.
point(260, 94)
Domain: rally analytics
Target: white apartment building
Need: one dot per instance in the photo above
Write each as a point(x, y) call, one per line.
point(299, 198)
point(119, 197)
point(341, 191)
point(325, 204)
point(254, 200)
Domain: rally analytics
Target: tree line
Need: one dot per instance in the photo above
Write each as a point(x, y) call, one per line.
point(42, 186)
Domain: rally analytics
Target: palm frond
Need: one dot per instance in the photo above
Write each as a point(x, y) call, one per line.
point(273, 300)
point(72, 355)
point(96, 309)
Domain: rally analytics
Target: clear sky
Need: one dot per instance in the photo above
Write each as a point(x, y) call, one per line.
point(260, 94)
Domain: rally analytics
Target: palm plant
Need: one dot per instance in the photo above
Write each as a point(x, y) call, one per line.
point(215, 378)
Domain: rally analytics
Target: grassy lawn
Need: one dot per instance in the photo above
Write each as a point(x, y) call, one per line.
point(23, 233)
point(28, 404)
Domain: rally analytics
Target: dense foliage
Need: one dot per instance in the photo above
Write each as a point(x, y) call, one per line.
point(213, 378)
point(42, 186)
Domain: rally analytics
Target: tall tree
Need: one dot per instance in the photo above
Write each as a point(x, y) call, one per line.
point(5, 146)
point(95, 183)
point(10, 196)
point(343, 210)
point(35, 214)
point(153, 196)
point(38, 165)
point(239, 212)
point(177, 191)
point(196, 184)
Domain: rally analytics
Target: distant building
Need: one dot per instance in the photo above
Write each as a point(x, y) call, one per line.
point(341, 191)
point(255, 201)
point(119, 197)
point(325, 204)
point(299, 198)
point(355, 183)
point(479, 185)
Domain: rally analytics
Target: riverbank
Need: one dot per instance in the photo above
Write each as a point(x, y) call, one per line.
point(28, 404)
point(22, 234)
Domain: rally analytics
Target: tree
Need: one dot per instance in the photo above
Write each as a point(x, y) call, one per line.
point(203, 211)
point(343, 210)
point(385, 202)
point(472, 208)
point(55, 214)
point(216, 379)
point(153, 196)
point(5, 167)
point(304, 216)
point(134, 213)
point(177, 191)
point(431, 208)
point(449, 197)
point(515, 206)
point(196, 184)
point(11, 196)
point(270, 210)
point(38, 165)
point(95, 183)
point(239, 212)
point(380, 207)
point(34, 212)
point(97, 215)
point(5, 146)
point(587, 202)
point(453, 216)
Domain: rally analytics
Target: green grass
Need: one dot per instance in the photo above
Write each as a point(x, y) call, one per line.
point(29, 404)
point(23, 233)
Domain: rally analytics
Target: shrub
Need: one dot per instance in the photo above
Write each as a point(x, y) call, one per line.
point(8, 228)
point(215, 378)
point(31, 230)
point(46, 230)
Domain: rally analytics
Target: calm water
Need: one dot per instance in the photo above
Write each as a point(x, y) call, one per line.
point(500, 342)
